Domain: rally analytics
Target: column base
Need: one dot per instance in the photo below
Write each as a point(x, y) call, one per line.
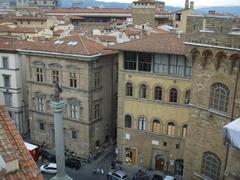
point(66, 177)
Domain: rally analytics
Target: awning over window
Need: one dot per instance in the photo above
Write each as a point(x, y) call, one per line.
point(232, 133)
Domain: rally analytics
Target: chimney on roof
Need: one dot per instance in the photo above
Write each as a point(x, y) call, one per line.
point(192, 5)
point(187, 4)
point(9, 166)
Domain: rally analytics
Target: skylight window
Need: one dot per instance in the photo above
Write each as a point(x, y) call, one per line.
point(58, 42)
point(72, 43)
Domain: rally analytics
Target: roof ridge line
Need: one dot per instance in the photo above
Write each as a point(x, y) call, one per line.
point(84, 45)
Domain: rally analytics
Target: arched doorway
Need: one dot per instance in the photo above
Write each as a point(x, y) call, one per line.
point(159, 165)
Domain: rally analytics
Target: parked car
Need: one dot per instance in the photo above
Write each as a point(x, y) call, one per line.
point(157, 177)
point(50, 168)
point(73, 163)
point(117, 175)
point(169, 178)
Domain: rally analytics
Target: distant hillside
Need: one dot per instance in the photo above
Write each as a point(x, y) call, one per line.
point(220, 9)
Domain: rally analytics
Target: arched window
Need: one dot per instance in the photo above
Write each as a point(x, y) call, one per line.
point(211, 165)
point(219, 97)
point(173, 95)
point(184, 131)
point(128, 121)
point(158, 93)
point(141, 123)
point(156, 126)
point(143, 91)
point(129, 89)
point(187, 97)
point(171, 129)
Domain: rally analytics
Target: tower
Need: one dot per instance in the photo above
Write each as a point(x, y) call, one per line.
point(187, 4)
point(143, 12)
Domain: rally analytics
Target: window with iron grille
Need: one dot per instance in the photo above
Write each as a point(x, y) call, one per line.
point(5, 63)
point(74, 134)
point(144, 62)
point(219, 98)
point(156, 126)
point(143, 91)
point(141, 123)
point(73, 79)
point(184, 131)
point(158, 93)
point(129, 89)
point(8, 99)
point(39, 74)
point(97, 110)
point(41, 126)
point(130, 60)
point(211, 165)
point(171, 129)
point(96, 79)
point(55, 75)
point(40, 104)
point(187, 97)
point(128, 121)
point(173, 95)
point(6, 79)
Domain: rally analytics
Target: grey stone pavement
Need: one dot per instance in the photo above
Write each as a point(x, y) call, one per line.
point(86, 171)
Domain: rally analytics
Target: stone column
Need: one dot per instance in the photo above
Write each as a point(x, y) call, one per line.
point(58, 107)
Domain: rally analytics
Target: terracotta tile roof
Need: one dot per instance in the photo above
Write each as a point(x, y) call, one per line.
point(130, 32)
point(104, 38)
point(88, 10)
point(155, 43)
point(12, 147)
point(83, 46)
point(31, 18)
point(19, 29)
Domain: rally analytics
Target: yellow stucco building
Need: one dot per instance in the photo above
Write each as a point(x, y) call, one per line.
point(154, 92)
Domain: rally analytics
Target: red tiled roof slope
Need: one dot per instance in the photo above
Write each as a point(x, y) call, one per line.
point(12, 147)
point(167, 43)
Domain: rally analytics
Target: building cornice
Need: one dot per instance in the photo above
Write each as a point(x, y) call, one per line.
point(59, 55)
point(211, 46)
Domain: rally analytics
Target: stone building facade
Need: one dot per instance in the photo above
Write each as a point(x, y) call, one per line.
point(13, 84)
point(153, 95)
point(85, 72)
point(213, 45)
point(143, 12)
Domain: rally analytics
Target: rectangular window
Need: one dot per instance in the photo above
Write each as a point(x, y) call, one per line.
point(41, 126)
point(40, 104)
point(178, 16)
point(73, 111)
point(173, 65)
point(161, 63)
point(39, 74)
point(97, 111)
point(55, 75)
point(6, 79)
point(5, 63)
point(180, 65)
point(74, 134)
point(96, 80)
point(8, 99)
point(144, 62)
point(141, 123)
point(73, 79)
point(188, 70)
point(130, 60)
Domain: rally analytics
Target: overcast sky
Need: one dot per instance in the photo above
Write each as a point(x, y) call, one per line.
point(198, 3)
